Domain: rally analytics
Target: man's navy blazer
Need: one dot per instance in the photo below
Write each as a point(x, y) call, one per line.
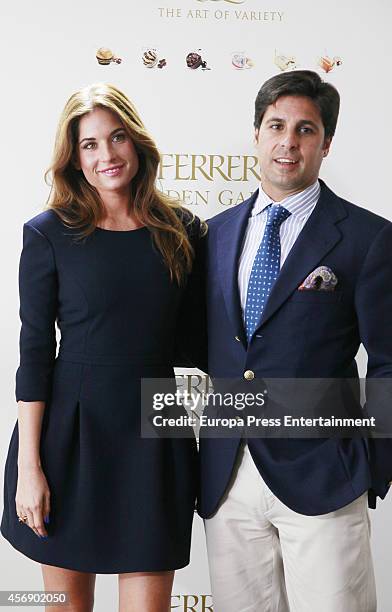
point(304, 334)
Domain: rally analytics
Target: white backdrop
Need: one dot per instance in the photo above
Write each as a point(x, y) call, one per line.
point(199, 117)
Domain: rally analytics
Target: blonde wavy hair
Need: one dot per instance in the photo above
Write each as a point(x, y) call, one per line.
point(79, 205)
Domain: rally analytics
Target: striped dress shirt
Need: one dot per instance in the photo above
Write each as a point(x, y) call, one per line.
point(300, 206)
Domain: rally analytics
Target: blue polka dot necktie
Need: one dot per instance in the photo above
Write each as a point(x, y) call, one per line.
point(265, 268)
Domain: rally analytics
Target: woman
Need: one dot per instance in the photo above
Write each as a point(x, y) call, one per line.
point(108, 261)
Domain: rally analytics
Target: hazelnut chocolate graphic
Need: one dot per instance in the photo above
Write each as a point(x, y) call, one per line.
point(285, 62)
point(106, 56)
point(240, 61)
point(327, 64)
point(150, 58)
point(194, 60)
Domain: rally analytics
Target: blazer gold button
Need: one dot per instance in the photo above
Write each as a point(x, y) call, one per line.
point(237, 338)
point(249, 375)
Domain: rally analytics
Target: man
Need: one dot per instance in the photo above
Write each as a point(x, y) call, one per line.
point(298, 278)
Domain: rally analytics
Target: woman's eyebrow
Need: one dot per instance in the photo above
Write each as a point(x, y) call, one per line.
point(93, 138)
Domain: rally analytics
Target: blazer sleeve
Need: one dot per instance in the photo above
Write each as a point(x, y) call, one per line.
point(38, 310)
point(374, 305)
point(374, 312)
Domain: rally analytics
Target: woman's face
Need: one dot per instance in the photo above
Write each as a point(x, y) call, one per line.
point(105, 153)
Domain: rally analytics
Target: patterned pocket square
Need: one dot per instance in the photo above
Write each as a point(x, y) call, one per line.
point(321, 279)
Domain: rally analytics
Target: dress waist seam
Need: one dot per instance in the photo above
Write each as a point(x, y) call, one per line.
point(107, 360)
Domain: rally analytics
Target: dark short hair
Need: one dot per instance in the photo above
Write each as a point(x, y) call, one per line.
point(300, 83)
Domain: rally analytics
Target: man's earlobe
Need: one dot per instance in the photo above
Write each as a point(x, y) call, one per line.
point(327, 144)
point(256, 137)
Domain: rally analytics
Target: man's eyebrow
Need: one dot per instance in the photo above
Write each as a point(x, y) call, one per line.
point(275, 119)
point(111, 134)
point(308, 122)
point(301, 122)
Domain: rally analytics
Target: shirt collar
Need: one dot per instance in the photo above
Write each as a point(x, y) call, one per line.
point(301, 203)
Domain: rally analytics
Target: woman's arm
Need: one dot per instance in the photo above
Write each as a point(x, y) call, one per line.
point(32, 495)
point(30, 416)
point(38, 310)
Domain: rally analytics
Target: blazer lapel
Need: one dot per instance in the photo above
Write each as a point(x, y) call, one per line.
point(230, 236)
point(316, 239)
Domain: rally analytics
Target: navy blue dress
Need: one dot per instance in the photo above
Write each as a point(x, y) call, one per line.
point(119, 502)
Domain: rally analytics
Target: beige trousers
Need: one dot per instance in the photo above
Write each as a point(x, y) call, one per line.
point(264, 557)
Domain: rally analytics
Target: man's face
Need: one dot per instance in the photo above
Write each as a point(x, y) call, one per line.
point(290, 145)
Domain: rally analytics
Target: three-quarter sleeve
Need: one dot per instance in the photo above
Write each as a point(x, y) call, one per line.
point(38, 310)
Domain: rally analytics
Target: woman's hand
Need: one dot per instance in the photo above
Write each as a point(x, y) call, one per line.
point(33, 498)
point(32, 492)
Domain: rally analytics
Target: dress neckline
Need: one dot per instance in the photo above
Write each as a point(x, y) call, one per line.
point(136, 229)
